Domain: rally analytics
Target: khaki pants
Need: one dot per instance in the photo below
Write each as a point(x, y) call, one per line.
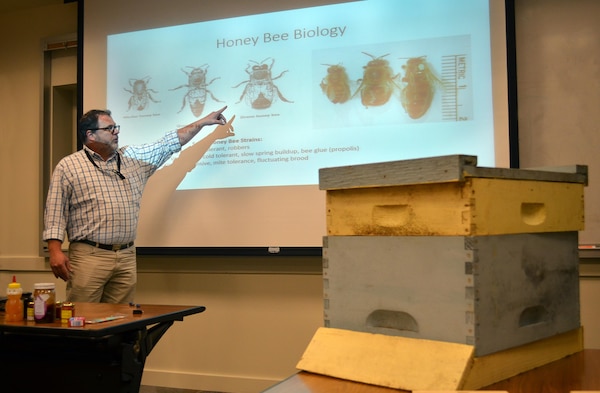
point(101, 275)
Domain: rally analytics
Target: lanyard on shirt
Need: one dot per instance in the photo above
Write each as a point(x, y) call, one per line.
point(117, 171)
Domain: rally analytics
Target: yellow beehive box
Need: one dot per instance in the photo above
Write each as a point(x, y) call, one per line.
point(451, 196)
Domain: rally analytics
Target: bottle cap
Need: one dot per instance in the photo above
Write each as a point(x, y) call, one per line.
point(44, 285)
point(14, 284)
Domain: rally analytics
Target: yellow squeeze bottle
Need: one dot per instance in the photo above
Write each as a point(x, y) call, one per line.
point(13, 310)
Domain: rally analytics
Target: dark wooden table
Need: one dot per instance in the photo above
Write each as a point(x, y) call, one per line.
point(580, 371)
point(101, 357)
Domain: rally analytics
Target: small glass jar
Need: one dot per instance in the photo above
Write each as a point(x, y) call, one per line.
point(44, 302)
point(57, 309)
point(30, 314)
point(67, 311)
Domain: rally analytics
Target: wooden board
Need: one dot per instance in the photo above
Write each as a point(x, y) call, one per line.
point(395, 362)
point(415, 364)
point(499, 366)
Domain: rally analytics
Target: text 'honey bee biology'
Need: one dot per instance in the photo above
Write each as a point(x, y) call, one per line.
point(298, 34)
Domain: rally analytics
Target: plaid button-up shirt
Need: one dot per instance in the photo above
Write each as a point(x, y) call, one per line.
point(92, 201)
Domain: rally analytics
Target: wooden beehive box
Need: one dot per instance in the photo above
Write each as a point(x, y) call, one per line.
point(491, 292)
point(451, 196)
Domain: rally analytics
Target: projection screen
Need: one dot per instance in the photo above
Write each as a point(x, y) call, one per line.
point(308, 85)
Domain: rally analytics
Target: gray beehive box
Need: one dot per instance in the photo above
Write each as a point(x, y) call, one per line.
point(493, 292)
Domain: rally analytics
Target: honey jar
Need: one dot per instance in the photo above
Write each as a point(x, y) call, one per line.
point(67, 311)
point(44, 302)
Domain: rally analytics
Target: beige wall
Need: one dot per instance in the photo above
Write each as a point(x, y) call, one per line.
point(258, 319)
point(252, 334)
point(21, 39)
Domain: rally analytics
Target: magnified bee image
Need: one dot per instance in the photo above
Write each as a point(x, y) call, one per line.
point(197, 89)
point(420, 84)
point(336, 85)
point(378, 82)
point(260, 91)
point(140, 94)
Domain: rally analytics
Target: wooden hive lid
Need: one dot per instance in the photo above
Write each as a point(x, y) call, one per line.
point(441, 169)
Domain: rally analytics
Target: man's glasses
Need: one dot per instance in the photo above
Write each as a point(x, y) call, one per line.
point(111, 128)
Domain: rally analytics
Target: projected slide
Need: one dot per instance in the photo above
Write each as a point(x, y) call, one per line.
point(360, 82)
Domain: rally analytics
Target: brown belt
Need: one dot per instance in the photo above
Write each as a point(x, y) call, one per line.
point(110, 247)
